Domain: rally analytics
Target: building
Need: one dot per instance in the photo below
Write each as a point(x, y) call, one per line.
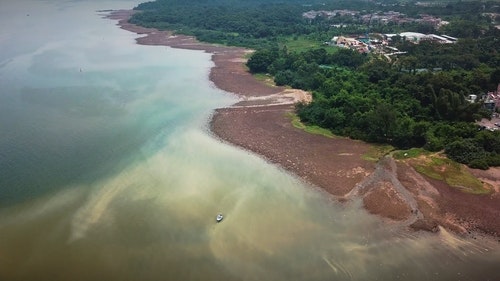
point(416, 37)
point(440, 39)
point(351, 43)
point(413, 36)
point(492, 99)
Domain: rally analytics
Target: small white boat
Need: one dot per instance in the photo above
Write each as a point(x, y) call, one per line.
point(219, 218)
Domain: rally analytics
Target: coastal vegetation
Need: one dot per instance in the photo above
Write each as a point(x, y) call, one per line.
point(415, 100)
point(377, 151)
point(440, 168)
point(311, 129)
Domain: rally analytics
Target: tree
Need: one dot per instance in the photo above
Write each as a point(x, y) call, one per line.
point(463, 29)
point(261, 60)
point(382, 122)
point(465, 151)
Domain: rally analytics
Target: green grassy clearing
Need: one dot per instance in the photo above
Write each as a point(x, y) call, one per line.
point(453, 173)
point(265, 78)
point(302, 43)
point(315, 130)
point(377, 151)
point(410, 153)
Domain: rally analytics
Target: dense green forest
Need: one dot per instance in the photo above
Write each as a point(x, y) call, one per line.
point(254, 23)
point(371, 99)
point(263, 23)
point(414, 100)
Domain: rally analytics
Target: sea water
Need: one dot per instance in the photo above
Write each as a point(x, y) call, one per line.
point(108, 172)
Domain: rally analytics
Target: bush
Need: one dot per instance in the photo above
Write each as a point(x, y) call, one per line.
point(283, 78)
point(465, 151)
point(479, 164)
point(493, 160)
point(260, 61)
point(432, 143)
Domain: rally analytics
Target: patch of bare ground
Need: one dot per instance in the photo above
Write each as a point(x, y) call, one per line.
point(390, 189)
point(376, 202)
point(490, 176)
point(441, 204)
point(336, 165)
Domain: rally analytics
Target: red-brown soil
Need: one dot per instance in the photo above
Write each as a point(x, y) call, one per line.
point(389, 188)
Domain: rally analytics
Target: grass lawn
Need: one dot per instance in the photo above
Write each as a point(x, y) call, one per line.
point(302, 43)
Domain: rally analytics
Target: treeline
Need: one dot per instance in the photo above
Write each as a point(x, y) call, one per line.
point(253, 23)
point(261, 23)
point(372, 99)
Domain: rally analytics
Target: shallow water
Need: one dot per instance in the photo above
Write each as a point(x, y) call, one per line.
point(107, 172)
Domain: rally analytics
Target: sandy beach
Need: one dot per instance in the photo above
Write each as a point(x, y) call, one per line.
point(260, 122)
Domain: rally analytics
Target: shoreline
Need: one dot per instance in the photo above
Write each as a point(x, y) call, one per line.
point(260, 123)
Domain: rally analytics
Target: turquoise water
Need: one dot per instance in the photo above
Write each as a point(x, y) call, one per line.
point(108, 172)
point(80, 103)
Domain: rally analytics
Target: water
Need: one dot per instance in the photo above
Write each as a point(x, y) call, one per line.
point(107, 172)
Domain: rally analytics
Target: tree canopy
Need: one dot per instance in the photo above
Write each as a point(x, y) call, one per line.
point(414, 100)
